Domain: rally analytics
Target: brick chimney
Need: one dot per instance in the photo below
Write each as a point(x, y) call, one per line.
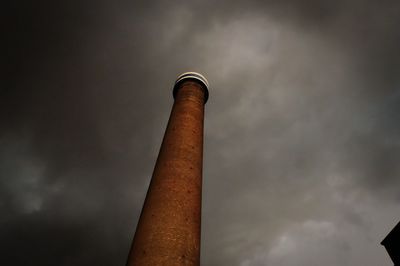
point(168, 231)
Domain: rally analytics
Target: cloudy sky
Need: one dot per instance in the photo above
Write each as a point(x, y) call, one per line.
point(302, 128)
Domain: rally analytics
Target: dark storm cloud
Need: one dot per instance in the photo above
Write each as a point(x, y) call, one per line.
point(302, 135)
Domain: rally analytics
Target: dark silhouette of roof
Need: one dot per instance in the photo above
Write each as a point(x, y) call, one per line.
point(392, 244)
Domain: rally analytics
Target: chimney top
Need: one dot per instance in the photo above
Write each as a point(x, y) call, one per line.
point(192, 76)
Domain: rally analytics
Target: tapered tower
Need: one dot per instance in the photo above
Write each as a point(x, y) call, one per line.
point(168, 231)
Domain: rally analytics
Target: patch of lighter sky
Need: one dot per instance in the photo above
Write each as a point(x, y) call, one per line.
point(25, 176)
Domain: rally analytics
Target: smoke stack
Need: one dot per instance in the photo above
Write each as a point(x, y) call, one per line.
point(168, 231)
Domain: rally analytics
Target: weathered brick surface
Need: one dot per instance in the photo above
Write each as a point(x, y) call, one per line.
point(168, 232)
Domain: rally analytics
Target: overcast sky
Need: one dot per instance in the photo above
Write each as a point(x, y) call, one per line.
point(302, 128)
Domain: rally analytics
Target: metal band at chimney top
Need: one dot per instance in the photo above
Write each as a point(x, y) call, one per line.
point(195, 77)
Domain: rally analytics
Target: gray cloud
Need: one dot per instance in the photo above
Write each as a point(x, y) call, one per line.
point(302, 135)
